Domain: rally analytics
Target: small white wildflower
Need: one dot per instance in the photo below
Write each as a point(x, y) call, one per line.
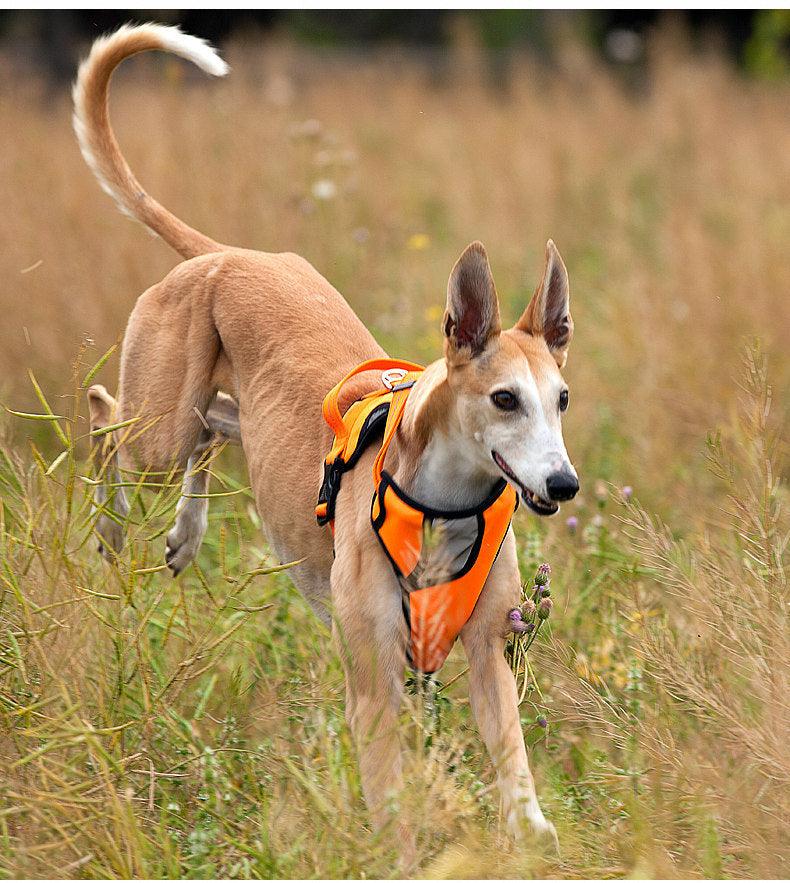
point(324, 189)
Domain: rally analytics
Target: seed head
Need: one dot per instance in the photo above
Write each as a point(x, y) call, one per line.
point(544, 608)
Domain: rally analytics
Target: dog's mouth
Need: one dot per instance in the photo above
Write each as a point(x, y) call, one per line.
point(534, 501)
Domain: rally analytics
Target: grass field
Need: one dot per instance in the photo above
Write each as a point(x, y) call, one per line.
point(153, 727)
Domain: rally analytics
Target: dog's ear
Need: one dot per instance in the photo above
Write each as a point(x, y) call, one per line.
point(548, 313)
point(471, 319)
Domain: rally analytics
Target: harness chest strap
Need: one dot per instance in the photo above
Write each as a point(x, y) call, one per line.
point(440, 584)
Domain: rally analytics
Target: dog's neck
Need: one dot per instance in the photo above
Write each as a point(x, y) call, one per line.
point(430, 458)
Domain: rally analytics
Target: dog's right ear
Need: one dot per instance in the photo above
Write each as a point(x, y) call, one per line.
point(471, 319)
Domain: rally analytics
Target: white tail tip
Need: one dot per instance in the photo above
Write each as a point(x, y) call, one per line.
point(193, 49)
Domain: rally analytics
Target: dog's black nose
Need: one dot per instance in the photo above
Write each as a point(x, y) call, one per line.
point(562, 485)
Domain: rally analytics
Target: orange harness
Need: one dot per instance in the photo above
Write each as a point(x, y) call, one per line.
point(441, 558)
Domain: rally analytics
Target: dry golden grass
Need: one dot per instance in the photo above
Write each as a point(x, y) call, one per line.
point(143, 735)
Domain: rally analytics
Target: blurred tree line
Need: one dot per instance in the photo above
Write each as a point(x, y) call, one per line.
point(758, 40)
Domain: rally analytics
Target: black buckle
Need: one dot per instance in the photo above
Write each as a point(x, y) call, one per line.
point(329, 488)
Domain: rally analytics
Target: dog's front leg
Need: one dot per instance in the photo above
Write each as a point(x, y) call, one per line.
point(368, 627)
point(494, 698)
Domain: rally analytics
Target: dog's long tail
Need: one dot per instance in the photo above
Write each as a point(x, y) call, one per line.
point(97, 140)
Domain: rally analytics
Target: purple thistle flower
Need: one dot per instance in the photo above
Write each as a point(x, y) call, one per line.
point(541, 721)
point(529, 627)
point(514, 615)
point(572, 522)
point(627, 492)
point(545, 568)
point(520, 628)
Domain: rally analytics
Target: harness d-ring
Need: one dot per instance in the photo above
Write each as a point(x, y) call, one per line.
point(392, 376)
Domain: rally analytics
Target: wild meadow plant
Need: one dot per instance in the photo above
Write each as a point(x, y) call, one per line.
point(525, 623)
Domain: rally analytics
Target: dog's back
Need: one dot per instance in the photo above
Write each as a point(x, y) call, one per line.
point(250, 324)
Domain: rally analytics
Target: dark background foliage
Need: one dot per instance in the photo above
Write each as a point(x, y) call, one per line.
point(755, 39)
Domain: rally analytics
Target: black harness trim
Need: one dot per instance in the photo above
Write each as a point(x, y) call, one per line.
point(372, 429)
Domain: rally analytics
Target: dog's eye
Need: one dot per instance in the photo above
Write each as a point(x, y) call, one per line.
point(564, 400)
point(504, 400)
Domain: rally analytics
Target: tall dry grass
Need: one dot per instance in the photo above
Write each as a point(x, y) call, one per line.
point(670, 207)
point(156, 728)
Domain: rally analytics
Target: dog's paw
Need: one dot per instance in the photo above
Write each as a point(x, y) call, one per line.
point(546, 836)
point(184, 540)
point(535, 829)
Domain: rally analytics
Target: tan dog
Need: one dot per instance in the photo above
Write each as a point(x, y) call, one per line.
point(243, 344)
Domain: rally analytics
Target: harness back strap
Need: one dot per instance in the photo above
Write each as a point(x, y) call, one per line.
point(355, 429)
point(331, 410)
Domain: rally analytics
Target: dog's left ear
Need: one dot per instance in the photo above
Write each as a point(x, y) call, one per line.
point(471, 319)
point(548, 313)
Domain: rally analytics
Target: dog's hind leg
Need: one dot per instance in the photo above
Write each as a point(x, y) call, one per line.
point(223, 417)
point(109, 496)
point(186, 536)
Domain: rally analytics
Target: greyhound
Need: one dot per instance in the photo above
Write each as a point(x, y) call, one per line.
point(242, 344)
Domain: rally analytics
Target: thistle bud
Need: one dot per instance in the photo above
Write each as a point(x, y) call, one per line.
point(528, 608)
point(544, 608)
point(541, 721)
point(541, 578)
point(529, 627)
point(545, 591)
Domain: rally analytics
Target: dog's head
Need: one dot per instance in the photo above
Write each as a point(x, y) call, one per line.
point(505, 386)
